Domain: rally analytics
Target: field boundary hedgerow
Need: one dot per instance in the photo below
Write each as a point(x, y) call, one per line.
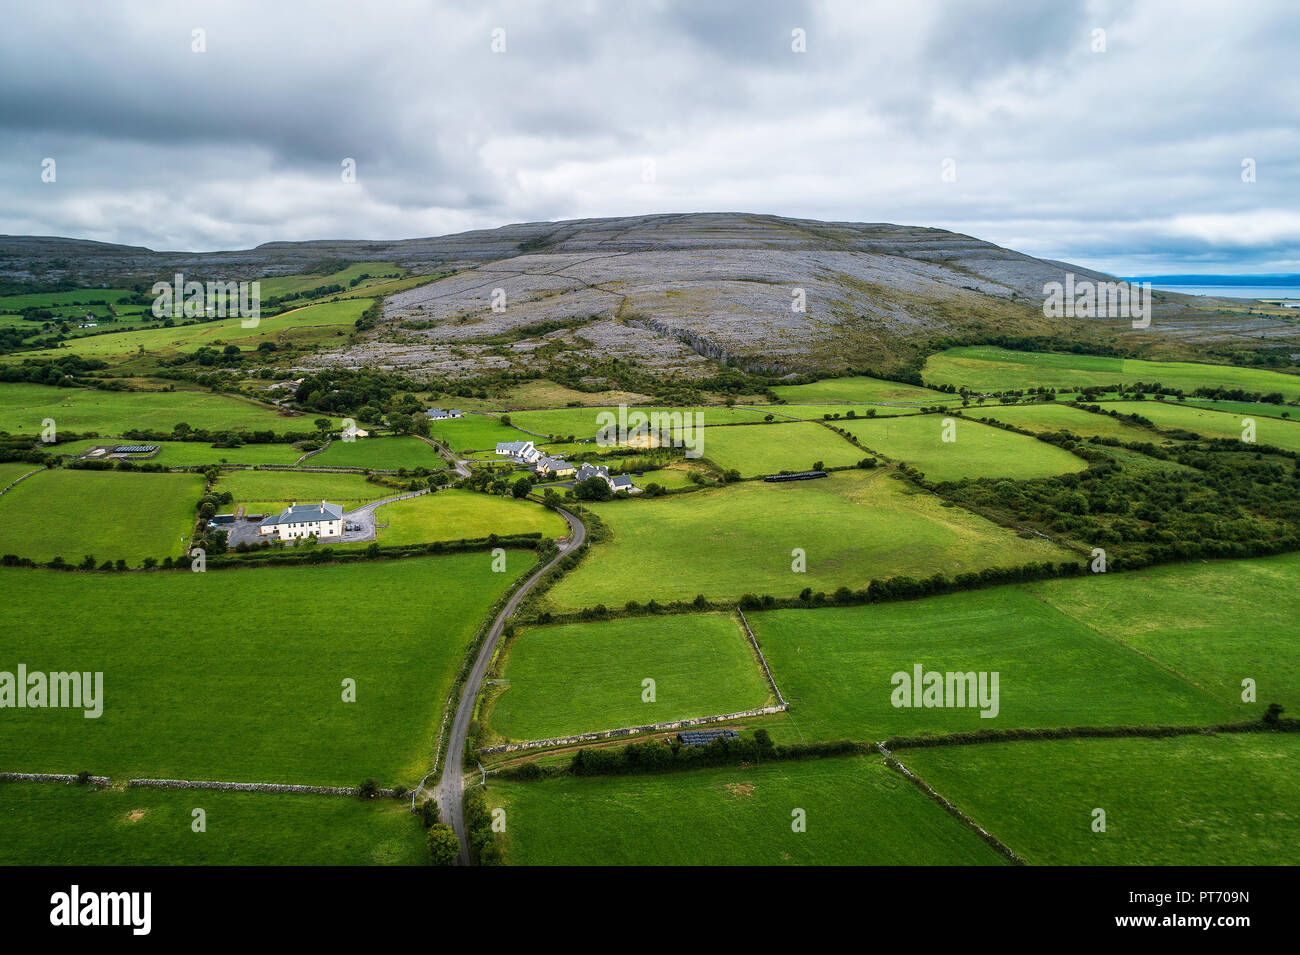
point(23, 477)
point(994, 842)
point(630, 731)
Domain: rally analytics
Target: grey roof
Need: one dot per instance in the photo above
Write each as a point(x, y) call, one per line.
point(592, 470)
point(512, 447)
point(306, 514)
point(621, 480)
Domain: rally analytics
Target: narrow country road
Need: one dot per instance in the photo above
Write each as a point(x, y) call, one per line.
point(451, 784)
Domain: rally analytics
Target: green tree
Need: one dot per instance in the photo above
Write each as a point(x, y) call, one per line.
point(443, 845)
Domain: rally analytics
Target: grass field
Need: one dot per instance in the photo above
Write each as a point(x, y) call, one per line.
point(858, 812)
point(189, 453)
point(11, 471)
point(474, 432)
point(205, 679)
point(388, 453)
point(1192, 800)
point(1046, 418)
point(820, 411)
point(1213, 424)
point(24, 407)
point(580, 678)
point(585, 422)
point(768, 448)
point(111, 515)
point(308, 324)
point(978, 451)
point(859, 389)
point(835, 666)
point(52, 824)
point(301, 486)
point(455, 514)
point(1215, 623)
point(986, 368)
point(723, 542)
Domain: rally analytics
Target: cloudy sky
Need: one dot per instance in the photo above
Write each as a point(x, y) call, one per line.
point(1110, 134)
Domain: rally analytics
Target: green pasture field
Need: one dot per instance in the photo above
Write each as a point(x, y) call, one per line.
point(580, 678)
point(52, 299)
point(1212, 424)
point(303, 325)
point(1187, 800)
point(54, 824)
point(768, 448)
point(11, 471)
point(1047, 417)
point(979, 451)
point(858, 812)
point(24, 407)
point(288, 284)
point(454, 514)
point(475, 432)
point(724, 542)
point(384, 453)
point(208, 676)
point(670, 478)
point(859, 388)
point(300, 486)
point(1256, 408)
point(110, 514)
point(987, 368)
point(175, 454)
point(819, 412)
point(585, 422)
point(835, 666)
point(1215, 623)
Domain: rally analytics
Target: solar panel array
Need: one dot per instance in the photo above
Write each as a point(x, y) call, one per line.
point(704, 737)
point(135, 449)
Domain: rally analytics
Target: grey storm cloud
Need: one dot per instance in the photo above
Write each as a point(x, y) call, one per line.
point(1128, 159)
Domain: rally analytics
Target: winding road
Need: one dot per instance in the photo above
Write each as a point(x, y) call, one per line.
point(451, 784)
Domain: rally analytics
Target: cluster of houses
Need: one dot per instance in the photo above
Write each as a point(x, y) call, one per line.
point(541, 463)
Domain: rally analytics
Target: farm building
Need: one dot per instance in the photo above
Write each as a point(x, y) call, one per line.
point(522, 451)
point(441, 414)
point(305, 520)
point(616, 483)
point(557, 466)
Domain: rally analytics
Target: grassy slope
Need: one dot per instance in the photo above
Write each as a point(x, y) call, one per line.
point(1185, 801)
point(986, 368)
point(859, 812)
point(186, 453)
point(237, 674)
point(766, 449)
point(23, 408)
point(1045, 418)
point(1216, 623)
point(474, 432)
point(391, 453)
point(66, 825)
point(1214, 424)
point(977, 451)
point(835, 666)
point(112, 515)
point(457, 515)
point(301, 486)
point(585, 422)
point(857, 389)
point(724, 542)
point(580, 678)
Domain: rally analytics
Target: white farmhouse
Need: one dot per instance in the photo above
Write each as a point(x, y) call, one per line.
point(305, 520)
point(522, 451)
